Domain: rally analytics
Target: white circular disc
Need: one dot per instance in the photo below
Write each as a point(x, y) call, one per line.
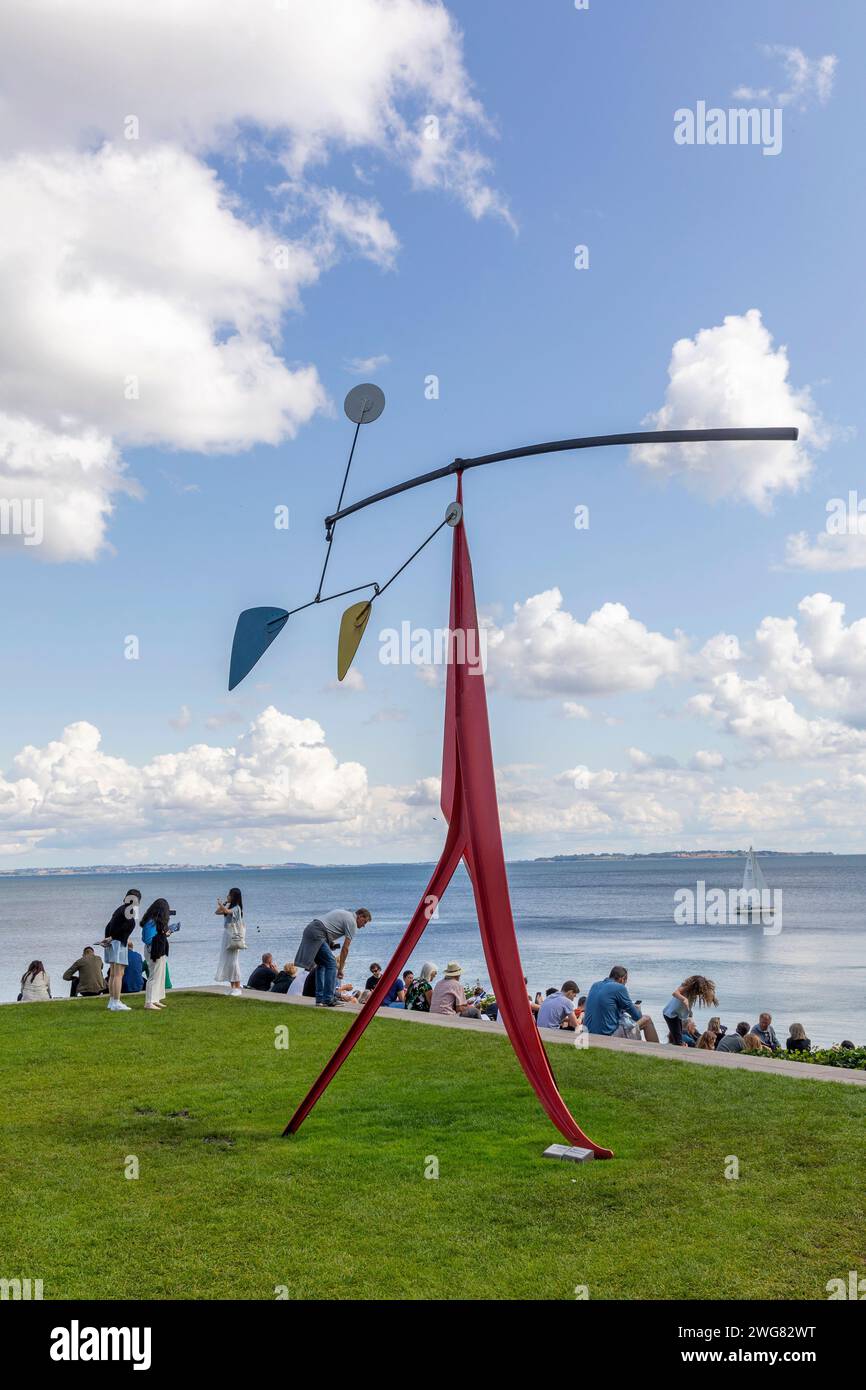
point(454, 514)
point(364, 403)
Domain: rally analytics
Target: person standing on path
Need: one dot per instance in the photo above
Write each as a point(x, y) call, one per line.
point(234, 941)
point(695, 989)
point(317, 949)
point(117, 934)
point(158, 959)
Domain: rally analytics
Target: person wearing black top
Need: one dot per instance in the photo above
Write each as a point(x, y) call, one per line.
point(117, 934)
point(798, 1042)
point(264, 975)
point(158, 915)
point(284, 979)
point(309, 989)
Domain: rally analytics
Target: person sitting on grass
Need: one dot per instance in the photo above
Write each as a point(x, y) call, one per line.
point(35, 984)
point(707, 1040)
point(766, 1032)
point(374, 976)
point(716, 1026)
point(264, 974)
point(449, 996)
point(677, 1011)
point(797, 1040)
point(691, 1032)
point(86, 975)
point(419, 992)
point(752, 1044)
point(284, 979)
point(607, 1001)
point(733, 1042)
point(558, 1010)
point(133, 975)
point(396, 995)
point(845, 1046)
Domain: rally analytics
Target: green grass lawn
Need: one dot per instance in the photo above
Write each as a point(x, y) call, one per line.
point(226, 1208)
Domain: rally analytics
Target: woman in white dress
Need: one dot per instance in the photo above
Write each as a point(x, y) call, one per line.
point(233, 942)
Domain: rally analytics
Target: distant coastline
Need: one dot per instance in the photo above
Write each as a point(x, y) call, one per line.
point(691, 854)
point(71, 870)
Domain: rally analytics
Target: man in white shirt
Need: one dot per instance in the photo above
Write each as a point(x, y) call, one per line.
point(317, 949)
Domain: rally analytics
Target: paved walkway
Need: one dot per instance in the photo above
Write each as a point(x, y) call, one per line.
point(777, 1066)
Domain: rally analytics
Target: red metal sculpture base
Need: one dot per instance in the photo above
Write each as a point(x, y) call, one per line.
point(470, 808)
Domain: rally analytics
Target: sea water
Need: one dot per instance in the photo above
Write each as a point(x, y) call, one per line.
point(574, 919)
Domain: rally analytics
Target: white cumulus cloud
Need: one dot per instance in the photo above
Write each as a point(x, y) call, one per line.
point(143, 302)
point(732, 375)
point(544, 650)
point(828, 552)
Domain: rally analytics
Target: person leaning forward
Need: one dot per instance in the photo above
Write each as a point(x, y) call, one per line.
point(317, 949)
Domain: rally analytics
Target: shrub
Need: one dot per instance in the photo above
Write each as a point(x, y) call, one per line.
point(854, 1058)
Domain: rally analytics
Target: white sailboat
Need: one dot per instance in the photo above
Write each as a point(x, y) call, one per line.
point(755, 885)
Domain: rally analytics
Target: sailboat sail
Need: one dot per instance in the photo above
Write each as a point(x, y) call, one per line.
point(753, 875)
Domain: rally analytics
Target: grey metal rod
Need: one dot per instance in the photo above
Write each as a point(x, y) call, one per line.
point(558, 446)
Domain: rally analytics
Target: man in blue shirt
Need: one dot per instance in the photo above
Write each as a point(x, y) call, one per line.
point(133, 975)
point(557, 1010)
point(764, 1030)
point(396, 996)
point(607, 1001)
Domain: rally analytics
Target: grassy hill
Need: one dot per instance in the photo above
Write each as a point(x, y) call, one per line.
point(225, 1208)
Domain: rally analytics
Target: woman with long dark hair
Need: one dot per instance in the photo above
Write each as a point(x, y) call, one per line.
point(35, 984)
point(154, 935)
point(234, 941)
point(115, 941)
point(155, 925)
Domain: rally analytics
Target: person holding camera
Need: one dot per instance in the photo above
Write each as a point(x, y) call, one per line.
point(234, 941)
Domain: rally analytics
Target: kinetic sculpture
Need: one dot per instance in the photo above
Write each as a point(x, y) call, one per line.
point(468, 795)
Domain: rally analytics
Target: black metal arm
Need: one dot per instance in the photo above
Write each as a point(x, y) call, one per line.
point(558, 446)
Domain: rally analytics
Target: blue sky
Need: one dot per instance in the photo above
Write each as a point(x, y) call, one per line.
point(578, 131)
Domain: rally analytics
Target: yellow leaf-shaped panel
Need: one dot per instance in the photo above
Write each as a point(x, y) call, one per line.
point(352, 625)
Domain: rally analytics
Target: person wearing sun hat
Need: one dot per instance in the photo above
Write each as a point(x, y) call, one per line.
point(449, 996)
